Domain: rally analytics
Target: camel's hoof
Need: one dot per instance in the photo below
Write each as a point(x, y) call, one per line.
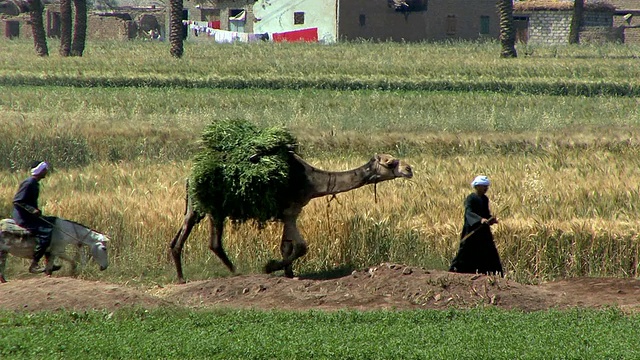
point(272, 265)
point(289, 273)
point(2, 280)
point(182, 281)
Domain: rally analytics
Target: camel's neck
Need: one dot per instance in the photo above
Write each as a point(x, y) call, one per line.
point(334, 182)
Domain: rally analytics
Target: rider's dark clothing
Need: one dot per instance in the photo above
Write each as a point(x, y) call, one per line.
point(25, 203)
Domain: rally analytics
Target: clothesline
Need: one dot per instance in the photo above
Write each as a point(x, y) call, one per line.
point(206, 28)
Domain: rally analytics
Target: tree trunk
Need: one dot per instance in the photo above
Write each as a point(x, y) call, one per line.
point(65, 27)
point(576, 22)
point(37, 26)
point(507, 31)
point(176, 32)
point(80, 28)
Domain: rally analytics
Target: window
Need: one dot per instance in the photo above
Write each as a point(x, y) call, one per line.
point(363, 19)
point(237, 19)
point(298, 18)
point(12, 29)
point(484, 25)
point(451, 24)
point(209, 14)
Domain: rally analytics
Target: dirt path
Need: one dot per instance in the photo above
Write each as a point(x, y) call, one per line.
point(387, 286)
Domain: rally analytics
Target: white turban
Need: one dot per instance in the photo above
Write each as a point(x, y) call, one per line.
point(481, 180)
point(40, 168)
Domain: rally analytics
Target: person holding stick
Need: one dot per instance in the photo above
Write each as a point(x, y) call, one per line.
point(27, 214)
point(477, 252)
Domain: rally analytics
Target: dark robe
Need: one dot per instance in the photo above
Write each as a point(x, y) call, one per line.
point(25, 202)
point(477, 253)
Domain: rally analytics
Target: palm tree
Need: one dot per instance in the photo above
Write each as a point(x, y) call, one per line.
point(176, 32)
point(65, 27)
point(37, 26)
point(507, 31)
point(576, 22)
point(80, 28)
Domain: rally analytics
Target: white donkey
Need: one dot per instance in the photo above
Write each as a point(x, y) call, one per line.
point(19, 242)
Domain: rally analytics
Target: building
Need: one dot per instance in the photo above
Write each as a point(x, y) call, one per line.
point(123, 20)
point(375, 20)
point(543, 22)
point(627, 18)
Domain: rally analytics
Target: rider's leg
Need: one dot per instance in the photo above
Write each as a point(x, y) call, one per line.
point(41, 247)
point(43, 238)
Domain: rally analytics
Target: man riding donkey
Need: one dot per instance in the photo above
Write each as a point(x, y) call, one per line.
point(28, 215)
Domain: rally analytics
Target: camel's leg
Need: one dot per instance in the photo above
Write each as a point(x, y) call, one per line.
point(216, 227)
point(190, 220)
point(292, 247)
point(286, 249)
point(3, 263)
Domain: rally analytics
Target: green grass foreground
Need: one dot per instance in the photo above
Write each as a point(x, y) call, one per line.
point(228, 334)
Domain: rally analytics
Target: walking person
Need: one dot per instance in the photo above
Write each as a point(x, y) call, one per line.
point(477, 252)
point(28, 215)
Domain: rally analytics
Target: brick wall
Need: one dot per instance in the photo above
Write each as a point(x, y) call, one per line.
point(549, 27)
point(107, 27)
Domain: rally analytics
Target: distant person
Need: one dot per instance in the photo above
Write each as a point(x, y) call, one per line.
point(477, 252)
point(28, 215)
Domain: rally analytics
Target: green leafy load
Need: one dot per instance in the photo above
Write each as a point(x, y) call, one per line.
point(224, 183)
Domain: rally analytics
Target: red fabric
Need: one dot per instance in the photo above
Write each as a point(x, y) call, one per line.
point(214, 24)
point(308, 35)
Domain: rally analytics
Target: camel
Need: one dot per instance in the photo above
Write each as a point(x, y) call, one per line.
point(306, 182)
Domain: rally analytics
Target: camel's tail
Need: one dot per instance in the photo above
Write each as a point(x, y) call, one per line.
point(186, 196)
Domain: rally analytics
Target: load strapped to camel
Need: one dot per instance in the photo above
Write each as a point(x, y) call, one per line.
point(225, 183)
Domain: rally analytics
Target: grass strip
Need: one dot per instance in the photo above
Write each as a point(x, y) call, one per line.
point(251, 334)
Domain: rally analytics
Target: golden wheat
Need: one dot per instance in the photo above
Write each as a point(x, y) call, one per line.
point(562, 215)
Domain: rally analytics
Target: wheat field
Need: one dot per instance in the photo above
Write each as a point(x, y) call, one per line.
point(564, 167)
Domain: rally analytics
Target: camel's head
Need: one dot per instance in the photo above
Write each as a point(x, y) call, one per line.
point(386, 167)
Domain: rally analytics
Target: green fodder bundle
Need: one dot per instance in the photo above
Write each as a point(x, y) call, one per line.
point(224, 183)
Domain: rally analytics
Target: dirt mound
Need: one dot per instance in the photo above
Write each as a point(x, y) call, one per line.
point(43, 293)
point(387, 286)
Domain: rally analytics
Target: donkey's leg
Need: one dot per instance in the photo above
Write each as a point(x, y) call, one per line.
point(216, 227)
point(3, 264)
point(49, 264)
point(70, 260)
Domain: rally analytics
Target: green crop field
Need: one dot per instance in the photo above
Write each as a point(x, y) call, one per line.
point(224, 334)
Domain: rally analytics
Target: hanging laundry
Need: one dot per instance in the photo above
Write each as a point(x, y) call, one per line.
point(307, 35)
point(253, 37)
point(222, 36)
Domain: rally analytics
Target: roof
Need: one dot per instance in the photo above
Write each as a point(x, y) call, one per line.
point(626, 4)
point(120, 4)
point(538, 5)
